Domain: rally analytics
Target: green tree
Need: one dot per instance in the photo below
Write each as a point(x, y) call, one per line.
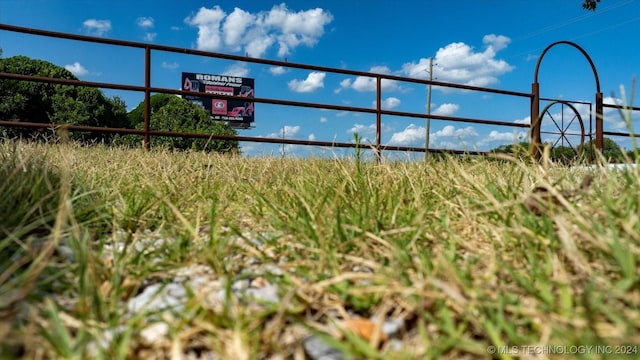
point(87, 106)
point(564, 154)
point(27, 101)
point(136, 116)
point(520, 149)
point(610, 150)
point(560, 154)
point(172, 113)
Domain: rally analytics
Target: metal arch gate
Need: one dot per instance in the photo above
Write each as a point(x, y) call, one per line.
point(536, 116)
point(562, 130)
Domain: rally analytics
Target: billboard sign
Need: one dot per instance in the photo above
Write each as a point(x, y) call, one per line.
point(231, 110)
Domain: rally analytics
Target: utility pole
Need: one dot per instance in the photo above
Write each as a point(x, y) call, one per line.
point(282, 141)
point(426, 140)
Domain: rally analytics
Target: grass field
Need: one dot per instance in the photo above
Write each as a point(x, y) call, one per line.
point(463, 253)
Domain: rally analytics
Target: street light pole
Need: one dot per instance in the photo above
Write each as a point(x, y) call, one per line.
point(426, 142)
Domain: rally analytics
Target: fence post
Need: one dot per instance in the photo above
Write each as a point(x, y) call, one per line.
point(599, 122)
point(535, 124)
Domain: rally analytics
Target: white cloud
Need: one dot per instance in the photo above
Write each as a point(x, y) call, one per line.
point(609, 100)
point(366, 132)
point(380, 69)
point(389, 103)
point(150, 36)
point(237, 69)
point(313, 81)
point(365, 83)
point(323, 119)
point(451, 131)
point(97, 27)
point(77, 69)
point(412, 135)
point(235, 26)
point(450, 137)
point(497, 42)
point(507, 137)
point(258, 43)
point(460, 63)
point(447, 137)
point(208, 22)
point(446, 109)
point(312, 137)
point(277, 70)
point(255, 33)
point(288, 130)
point(145, 22)
point(295, 28)
point(363, 129)
point(171, 66)
point(612, 115)
point(346, 83)
point(524, 120)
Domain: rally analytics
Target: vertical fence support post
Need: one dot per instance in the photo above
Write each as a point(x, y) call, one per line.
point(147, 97)
point(428, 124)
point(599, 122)
point(535, 124)
point(378, 118)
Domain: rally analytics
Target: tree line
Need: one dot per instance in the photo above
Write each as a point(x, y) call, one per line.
point(36, 102)
point(611, 152)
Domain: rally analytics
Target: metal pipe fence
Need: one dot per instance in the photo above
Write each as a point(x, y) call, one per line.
point(147, 89)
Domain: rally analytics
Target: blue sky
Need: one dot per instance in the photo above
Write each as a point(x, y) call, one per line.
point(485, 43)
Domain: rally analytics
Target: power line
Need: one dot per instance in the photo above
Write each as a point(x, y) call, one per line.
point(574, 20)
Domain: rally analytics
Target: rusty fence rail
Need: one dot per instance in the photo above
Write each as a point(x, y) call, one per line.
point(623, 108)
point(147, 89)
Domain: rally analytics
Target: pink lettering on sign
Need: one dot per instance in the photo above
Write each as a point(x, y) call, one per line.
point(218, 90)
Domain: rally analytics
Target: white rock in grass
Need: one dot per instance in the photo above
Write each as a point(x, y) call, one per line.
point(269, 268)
point(240, 285)
point(268, 293)
point(395, 345)
point(392, 326)
point(159, 297)
point(317, 349)
point(103, 341)
point(201, 282)
point(154, 333)
point(364, 269)
point(66, 253)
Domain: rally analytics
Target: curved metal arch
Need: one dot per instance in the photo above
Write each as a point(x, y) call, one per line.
point(575, 111)
point(535, 99)
point(579, 48)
